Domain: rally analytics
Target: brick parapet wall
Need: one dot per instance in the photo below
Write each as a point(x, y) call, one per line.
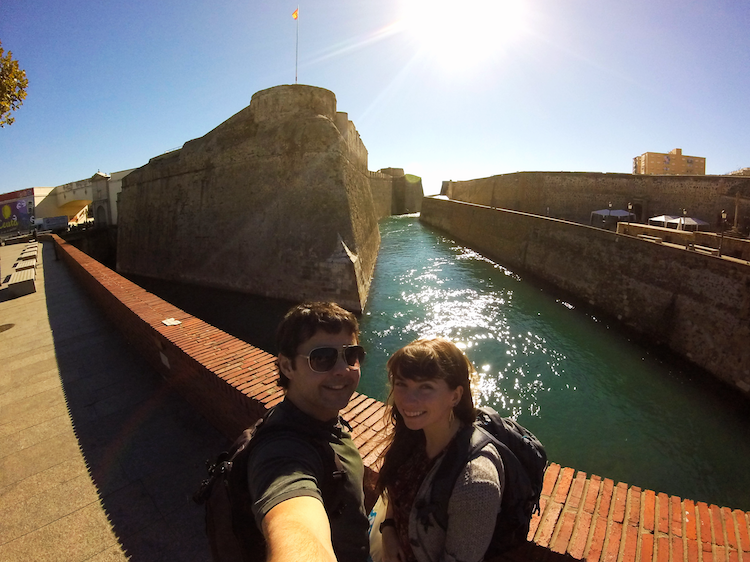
point(232, 383)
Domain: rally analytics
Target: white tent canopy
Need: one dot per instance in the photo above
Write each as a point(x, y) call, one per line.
point(687, 223)
point(661, 220)
point(678, 222)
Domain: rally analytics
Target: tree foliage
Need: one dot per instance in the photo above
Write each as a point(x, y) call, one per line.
point(13, 83)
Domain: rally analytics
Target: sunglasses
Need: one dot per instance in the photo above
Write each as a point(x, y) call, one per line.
point(323, 359)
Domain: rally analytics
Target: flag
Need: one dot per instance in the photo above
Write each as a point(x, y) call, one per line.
point(295, 14)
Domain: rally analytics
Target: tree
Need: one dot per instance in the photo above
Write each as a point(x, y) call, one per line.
point(13, 83)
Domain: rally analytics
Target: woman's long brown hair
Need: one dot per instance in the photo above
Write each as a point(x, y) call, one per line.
point(422, 359)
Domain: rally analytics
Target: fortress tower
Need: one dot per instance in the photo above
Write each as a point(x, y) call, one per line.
point(275, 201)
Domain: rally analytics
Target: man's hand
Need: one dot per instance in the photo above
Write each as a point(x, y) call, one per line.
point(298, 529)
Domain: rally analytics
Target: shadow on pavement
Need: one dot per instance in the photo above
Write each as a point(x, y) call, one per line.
point(144, 445)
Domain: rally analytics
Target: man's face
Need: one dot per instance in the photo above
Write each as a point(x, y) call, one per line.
point(321, 395)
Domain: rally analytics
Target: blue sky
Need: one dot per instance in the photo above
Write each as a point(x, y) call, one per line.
point(445, 90)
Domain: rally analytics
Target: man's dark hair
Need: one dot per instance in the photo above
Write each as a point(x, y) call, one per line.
point(303, 321)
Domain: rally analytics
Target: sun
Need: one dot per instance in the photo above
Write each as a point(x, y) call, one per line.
point(462, 33)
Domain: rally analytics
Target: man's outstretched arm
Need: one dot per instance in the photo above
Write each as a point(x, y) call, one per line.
point(298, 529)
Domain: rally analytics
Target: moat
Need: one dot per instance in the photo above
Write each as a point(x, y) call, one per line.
point(599, 401)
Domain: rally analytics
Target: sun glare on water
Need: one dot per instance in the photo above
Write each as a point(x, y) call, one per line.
point(462, 34)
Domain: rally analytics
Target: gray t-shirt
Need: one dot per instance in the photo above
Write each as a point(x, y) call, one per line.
point(290, 464)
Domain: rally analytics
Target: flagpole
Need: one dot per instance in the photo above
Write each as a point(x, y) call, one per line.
point(296, 48)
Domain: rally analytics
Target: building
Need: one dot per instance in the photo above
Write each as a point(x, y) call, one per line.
point(672, 164)
point(95, 197)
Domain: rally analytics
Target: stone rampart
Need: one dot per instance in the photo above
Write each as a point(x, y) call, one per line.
point(407, 192)
point(574, 195)
point(381, 186)
point(356, 150)
point(698, 305)
point(275, 201)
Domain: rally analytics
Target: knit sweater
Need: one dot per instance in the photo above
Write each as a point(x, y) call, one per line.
point(472, 511)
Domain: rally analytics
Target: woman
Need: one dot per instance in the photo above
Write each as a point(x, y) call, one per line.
point(430, 401)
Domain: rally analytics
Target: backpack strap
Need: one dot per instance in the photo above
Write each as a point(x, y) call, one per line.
point(465, 446)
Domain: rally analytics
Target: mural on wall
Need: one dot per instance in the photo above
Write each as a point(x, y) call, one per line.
point(16, 215)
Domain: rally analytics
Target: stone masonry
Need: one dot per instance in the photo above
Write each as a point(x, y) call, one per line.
point(574, 195)
point(275, 201)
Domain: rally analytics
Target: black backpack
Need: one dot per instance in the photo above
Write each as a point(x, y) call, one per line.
point(230, 524)
point(524, 461)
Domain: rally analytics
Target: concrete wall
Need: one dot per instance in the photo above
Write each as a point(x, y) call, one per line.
point(574, 195)
point(275, 201)
point(697, 305)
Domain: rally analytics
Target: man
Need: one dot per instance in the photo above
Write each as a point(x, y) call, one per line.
point(307, 507)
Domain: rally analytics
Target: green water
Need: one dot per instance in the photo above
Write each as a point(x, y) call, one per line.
point(600, 402)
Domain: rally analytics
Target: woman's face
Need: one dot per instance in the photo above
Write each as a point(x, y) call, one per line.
point(424, 403)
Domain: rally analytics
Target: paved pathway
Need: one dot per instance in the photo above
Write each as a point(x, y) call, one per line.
point(98, 455)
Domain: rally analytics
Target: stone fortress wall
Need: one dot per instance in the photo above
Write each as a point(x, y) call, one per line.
point(697, 305)
point(276, 201)
point(574, 195)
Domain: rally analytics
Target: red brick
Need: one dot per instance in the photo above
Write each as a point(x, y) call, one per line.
point(547, 526)
point(550, 477)
point(717, 527)
point(649, 499)
point(565, 531)
point(563, 485)
point(368, 412)
point(631, 544)
point(591, 494)
point(690, 520)
point(663, 509)
point(613, 542)
point(677, 548)
point(647, 547)
point(733, 555)
point(676, 526)
point(742, 530)
point(356, 399)
point(720, 554)
point(726, 515)
point(597, 540)
point(576, 491)
point(621, 496)
point(634, 512)
point(692, 550)
point(662, 549)
point(605, 497)
point(705, 526)
point(359, 408)
point(536, 519)
point(580, 536)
